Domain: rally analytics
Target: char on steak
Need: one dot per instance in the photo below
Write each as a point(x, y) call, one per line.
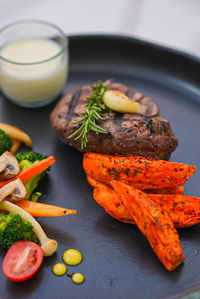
point(142, 134)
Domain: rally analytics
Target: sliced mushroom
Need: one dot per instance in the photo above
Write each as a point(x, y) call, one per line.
point(13, 191)
point(49, 246)
point(9, 166)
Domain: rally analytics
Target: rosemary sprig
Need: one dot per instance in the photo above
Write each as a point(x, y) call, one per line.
point(94, 111)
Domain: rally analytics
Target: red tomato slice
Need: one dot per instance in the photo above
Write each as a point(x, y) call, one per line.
point(22, 260)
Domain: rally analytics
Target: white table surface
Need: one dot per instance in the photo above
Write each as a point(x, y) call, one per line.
point(175, 23)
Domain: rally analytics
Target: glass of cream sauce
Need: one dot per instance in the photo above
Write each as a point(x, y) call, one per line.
point(33, 62)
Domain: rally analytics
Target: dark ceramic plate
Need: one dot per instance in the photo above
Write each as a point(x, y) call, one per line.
point(118, 261)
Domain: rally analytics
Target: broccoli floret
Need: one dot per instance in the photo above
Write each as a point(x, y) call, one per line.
point(13, 229)
point(5, 142)
point(25, 160)
point(30, 156)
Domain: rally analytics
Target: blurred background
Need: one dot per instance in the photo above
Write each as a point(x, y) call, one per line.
point(175, 23)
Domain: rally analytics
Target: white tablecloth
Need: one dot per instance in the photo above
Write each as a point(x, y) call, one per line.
point(175, 23)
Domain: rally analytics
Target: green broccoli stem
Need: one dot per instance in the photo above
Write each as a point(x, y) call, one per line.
point(32, 184)
point(35, 196)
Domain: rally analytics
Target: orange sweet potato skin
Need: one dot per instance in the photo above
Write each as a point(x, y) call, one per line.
point(138, 172)
point(177, 190)
point(112, 204)
point(95, 183)
point(154, 223)
point(184, 210)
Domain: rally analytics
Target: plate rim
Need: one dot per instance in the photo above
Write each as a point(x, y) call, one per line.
point(124, 37)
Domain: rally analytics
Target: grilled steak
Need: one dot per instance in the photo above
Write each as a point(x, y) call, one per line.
point(144, 134)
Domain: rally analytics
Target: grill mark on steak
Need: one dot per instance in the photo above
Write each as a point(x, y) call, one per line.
point(150, 126)
point(119, 120)
point(74, 101)
point(127, 134)
point(164, 128)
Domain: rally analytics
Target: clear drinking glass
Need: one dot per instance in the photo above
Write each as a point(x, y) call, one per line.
point(33, 62)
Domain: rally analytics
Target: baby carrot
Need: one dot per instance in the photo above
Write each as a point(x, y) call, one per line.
point(28, 173)
point(37, 209)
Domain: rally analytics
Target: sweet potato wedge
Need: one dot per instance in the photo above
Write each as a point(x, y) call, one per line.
point(184, 210)
point(173, 190)
point(176, 190)
point(95, 183)
point(138, 172)
point(112, 204)
point(154, 223)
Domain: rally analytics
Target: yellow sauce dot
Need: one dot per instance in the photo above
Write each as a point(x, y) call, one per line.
point(78, 278)
point(72, 257)
point(59, 269)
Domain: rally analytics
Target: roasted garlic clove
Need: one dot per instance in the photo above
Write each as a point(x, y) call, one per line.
point(119, 102)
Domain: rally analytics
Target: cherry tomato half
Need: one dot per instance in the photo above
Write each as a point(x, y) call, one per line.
point(22, 260)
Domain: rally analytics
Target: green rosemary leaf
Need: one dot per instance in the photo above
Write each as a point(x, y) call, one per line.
point(79, 121)
point(94, 111)
point(76, 132)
